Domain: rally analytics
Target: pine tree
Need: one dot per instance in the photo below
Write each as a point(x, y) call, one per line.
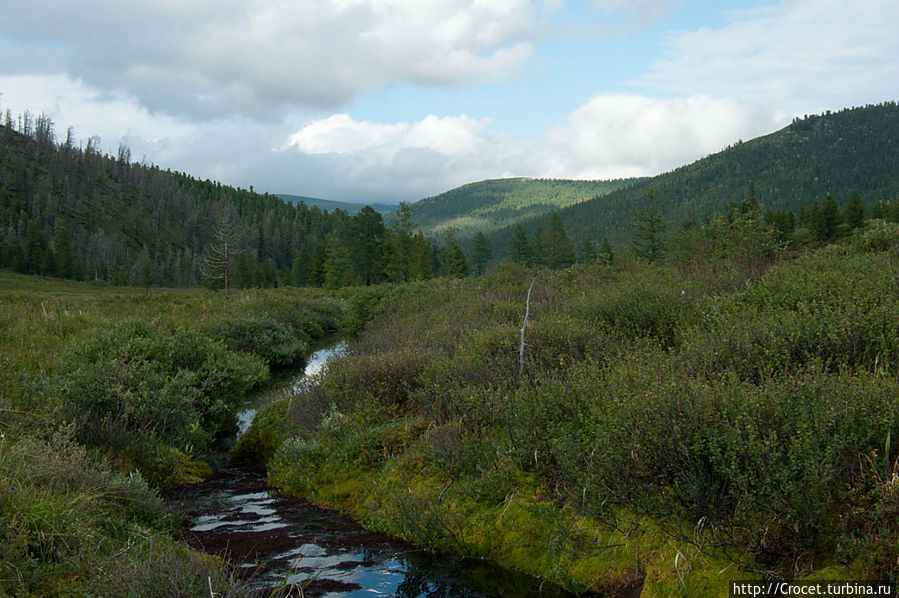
point(301, 267)
point(605, 251)
point(245, 275)
point(832, 217)
point(319, 261)
point(421, 259)
point(481, 253)
point(854, 214)
point(586, 252)
point(559, 248)
point(339, 271)
point(147, 273)
point(455, 263)
point(649, 229)
point(519, 249)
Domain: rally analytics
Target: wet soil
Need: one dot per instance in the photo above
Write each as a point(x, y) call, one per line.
point(275, 541)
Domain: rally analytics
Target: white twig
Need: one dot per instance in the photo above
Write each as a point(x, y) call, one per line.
point(527, 311)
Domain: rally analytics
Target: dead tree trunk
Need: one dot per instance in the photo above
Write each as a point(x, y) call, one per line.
point(527, 312)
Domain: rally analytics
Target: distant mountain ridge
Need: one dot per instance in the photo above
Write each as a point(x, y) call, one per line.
point(491, 204)
point(330, 204)
point(855, 149)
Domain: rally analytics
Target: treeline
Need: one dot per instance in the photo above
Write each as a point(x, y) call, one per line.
point(815, 156)
point(74, 212)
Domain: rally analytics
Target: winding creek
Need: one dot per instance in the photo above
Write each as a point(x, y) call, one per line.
point(276, 541)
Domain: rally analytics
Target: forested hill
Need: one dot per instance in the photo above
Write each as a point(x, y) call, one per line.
point(74, 212)
point(492, 204)
point(831, 154)
point(330, 204)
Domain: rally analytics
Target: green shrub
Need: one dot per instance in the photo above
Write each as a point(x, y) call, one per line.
point(135, 386)
point(262, 336)
point(876, 235)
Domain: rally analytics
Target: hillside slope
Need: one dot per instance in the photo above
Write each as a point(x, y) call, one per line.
point(491, 204)
point(836, 153)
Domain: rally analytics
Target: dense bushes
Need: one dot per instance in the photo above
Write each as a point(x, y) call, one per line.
point(137, 385)
point(107, 395)
point(750, 410)
point(262, 336)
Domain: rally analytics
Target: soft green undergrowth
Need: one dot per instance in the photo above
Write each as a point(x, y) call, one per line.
point(109, 395)
point(731, 414)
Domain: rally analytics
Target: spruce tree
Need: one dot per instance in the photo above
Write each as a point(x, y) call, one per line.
point(519, 249)
point(854, 215)
point(455, 263)
point(558, 247)
point(649, 230)
point(481, 254)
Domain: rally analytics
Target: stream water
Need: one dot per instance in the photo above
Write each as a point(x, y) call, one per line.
point(277, 541)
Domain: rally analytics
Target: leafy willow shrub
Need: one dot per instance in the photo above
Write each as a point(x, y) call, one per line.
point(839, 309)
point(387, 377)
point(555, 341)
point(645, 302)
point(458, 450)
point(263, 336)
point(876, 235)
point(870, 526)
point(777, 457)
point(295, 463)
point(138, 383)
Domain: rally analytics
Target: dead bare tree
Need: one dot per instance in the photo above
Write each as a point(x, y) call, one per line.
point(527, 312)
point(224, 246)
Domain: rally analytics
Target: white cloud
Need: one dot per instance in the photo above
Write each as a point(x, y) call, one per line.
point(209, 58)
point(797, 55)
point(622, 135)
point(611, 136)
point(411, 159)
point(341, 134)
point(644, 11)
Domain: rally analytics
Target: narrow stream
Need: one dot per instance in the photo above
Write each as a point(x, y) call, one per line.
point(277, 540)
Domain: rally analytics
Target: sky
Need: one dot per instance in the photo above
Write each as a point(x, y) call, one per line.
point(396, 100)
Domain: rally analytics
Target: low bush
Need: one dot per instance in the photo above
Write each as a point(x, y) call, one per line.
point(138, 381)
point(262, 336)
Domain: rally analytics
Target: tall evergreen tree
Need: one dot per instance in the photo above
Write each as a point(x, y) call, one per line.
point(519, 250)
point(366, 233)
point(587, 252)
point(339, 271)
point(559, 248)
point(481, 253)
point(319, 264)
point(854, 214)
point(605, 251)
point(649, 229)
point(455, 263)
point(421, 259)
point(217, 266)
